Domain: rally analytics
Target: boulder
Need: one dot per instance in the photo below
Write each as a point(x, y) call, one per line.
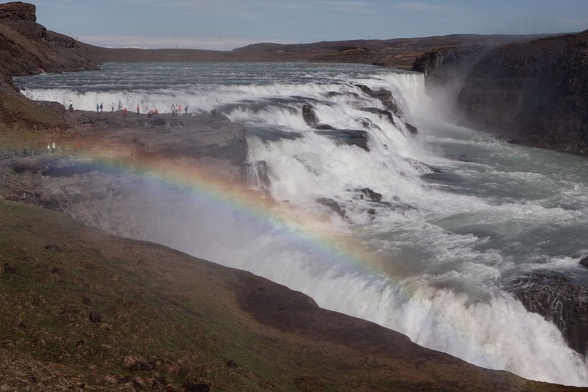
point(411, 128)
point(369, 194)
point(309, 115)
point(385, 96)
point(311, 119)
point(384, 113)
point(333, 205)
point(351, 137)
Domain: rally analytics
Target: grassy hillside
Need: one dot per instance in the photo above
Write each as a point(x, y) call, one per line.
point(84, 309)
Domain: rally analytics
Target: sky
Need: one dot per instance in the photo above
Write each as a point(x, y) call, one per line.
point(228, 24)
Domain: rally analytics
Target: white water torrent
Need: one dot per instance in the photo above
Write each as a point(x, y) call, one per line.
point(440, 220)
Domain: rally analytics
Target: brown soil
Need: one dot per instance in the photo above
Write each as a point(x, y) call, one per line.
point(83, 309)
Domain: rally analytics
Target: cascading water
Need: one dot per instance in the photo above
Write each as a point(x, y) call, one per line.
point(415, 231)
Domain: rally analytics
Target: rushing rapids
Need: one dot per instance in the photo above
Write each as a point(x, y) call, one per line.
point(401, 218)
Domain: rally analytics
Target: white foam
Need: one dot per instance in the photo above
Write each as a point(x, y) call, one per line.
point(443, 247)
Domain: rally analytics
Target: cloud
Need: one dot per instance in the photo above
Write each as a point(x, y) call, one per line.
point(159, 42)
point(422, 7)
point(226, 7)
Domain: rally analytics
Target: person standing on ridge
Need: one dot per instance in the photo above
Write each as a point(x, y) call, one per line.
point(138, 108)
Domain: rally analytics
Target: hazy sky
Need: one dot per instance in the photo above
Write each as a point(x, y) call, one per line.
point(227, 24)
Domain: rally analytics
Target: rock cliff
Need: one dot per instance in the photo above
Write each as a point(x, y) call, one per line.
point(558, 300)
point(534, 93)
point(26, 47)
point(100, 196)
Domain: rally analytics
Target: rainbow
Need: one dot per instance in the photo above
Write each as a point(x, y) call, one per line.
point(368, 267)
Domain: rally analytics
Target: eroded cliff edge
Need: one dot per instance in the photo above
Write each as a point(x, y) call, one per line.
point(534, 93)
point(57, 259)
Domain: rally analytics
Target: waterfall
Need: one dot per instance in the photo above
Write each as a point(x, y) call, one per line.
point(401, 218)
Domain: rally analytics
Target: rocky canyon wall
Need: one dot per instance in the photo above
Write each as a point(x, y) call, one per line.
point(535, 93)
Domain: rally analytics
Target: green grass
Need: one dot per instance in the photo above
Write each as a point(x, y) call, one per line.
point(182, 313)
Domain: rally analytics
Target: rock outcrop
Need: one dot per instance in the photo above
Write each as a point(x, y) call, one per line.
point(558, 300)
point(86, 179)
point(166, 135)
point(26, 47)
point(534, 93)
point(446, 69)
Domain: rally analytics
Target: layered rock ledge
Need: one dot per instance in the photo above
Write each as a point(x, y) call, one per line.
point(95, 174)
point(558, 300)
point(534, 93)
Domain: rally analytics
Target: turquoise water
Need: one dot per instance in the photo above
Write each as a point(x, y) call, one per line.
point(446, 241)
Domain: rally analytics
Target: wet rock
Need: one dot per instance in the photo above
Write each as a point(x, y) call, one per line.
point(559, 301)
point(369, 194)
point(584, 261)
point(412, 129)
point(310, 118)
point(534, 93)
point(384, 113)
point(421, 166)
point(333, 205)
point(357, 138)
point(385, 96)
point(309, 115)
point(257, 174)
point(462, 158)
point(323, 126)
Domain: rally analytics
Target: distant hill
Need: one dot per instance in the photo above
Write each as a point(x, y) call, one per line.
point(27, 47)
